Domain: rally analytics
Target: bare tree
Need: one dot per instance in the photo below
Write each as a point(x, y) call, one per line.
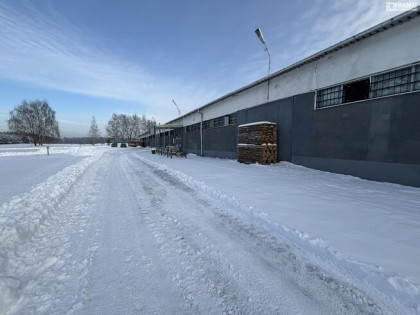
point(126, 127)
point(94, 132)
point(113, 127)
point(34, 119)
point(134, 127)
point(150, 123)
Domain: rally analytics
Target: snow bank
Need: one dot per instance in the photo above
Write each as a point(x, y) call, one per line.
point(76, 150)
point(369, 277)
point(21, 218)
point(38, 205)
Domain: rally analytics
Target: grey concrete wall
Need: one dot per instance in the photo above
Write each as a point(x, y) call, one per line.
point(191, 142)
point(217, 142)
point(220, 142)
point(303, 125)
point(376, 139)
point(404, 174)
point(279, 112)
point(382, 130)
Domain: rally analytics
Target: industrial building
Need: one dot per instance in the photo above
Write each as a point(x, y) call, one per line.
point(353, 108)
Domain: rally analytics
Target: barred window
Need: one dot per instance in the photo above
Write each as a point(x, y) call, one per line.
point(191, 128)
point(215, 122)
point(416, 79)
point(329, 97)
point(389, 83)
point(218, 122)
point(206, 124)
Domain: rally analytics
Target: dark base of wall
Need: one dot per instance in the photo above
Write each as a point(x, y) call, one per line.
point(404, 174)
point(220, 154)
point(215, 154)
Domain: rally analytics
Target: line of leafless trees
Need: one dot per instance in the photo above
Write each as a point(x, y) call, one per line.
point(128, 127)
point(35, 120)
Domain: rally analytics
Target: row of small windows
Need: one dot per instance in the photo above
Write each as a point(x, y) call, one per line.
point(389, 83)
point(216, 122)
point(213, 123)
point(191, 128)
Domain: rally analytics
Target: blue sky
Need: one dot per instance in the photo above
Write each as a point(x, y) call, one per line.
point(99, 57)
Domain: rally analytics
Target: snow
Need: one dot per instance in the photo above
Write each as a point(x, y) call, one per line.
point(256, 145)
point(26, 149)
point(110, 230)
point(257, 123)
point(25, 171)
point(374, 226)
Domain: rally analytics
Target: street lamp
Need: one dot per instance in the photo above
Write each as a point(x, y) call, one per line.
point(261, 37)
point(179, 112)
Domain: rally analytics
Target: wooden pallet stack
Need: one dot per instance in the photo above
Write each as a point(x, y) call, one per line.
point(257, 143)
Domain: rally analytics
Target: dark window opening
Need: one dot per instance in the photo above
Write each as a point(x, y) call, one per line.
point(356, 91)
point(416, 81)
point(233, 119)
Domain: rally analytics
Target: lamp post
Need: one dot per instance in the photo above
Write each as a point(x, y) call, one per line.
point(179, 112)
point(261, 37)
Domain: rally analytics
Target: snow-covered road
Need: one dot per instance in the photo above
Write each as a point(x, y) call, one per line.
point(129, 237)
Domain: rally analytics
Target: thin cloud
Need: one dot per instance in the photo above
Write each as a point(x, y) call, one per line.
point(45, 50)
point(330, 22)
point(72, 122)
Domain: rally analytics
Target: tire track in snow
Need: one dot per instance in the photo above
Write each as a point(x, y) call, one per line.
point(280, 267)
point(382, 289)
point(127, 275)
point(194, 263)
point(286, 262)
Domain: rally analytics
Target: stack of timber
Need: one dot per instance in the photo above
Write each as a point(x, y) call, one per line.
point(258, 134)
point(262, 154)
point(257, 143)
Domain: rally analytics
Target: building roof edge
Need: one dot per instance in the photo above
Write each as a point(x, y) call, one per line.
point(395, 21)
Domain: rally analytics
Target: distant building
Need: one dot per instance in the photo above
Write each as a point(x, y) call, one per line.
point(353, 108)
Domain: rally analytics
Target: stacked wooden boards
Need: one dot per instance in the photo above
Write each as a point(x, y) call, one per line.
point(262, 154)
point(257, 143)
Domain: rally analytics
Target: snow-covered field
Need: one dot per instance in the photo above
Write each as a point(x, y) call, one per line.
point(99, 230)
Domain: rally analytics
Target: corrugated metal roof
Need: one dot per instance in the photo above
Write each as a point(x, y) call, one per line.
point(397, 20)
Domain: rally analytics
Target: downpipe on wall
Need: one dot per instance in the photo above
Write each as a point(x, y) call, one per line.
point(201, 132)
